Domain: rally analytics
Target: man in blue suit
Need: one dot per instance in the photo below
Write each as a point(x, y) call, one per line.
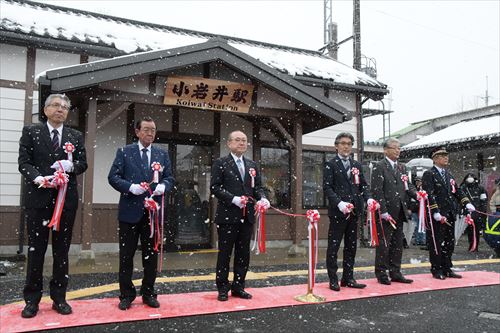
point(131, 167)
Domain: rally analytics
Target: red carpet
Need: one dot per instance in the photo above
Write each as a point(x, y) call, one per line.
point(105, 310)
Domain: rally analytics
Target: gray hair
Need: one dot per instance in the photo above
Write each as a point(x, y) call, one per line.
point(344, 135)
point(61, 96)
point(390, 141)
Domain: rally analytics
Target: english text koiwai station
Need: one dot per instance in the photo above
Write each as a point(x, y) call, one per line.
point(198, 87)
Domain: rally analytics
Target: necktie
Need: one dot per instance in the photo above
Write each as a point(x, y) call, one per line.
point(144, 157)
point(443, 174)
point(240, 168)
point(55, 139)
point(346, 163)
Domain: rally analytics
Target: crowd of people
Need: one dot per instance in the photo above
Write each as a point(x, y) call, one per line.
point(141, 173)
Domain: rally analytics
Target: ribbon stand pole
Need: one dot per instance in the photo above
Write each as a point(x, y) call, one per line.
point(313, 218)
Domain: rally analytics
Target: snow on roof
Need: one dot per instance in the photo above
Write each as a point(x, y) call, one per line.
point(465, 131)
point(132, 36)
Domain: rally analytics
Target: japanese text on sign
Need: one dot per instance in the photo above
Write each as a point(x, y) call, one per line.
point(208, 94)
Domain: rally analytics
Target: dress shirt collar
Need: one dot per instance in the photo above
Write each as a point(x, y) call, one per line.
point(59, 130)
point(236, 158)
point(342, 158)
point(439, 169)
point(393, 164)
point(142, 147)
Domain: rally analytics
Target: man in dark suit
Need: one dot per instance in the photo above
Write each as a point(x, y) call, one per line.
point(231, 183)
point(388, 189)
point(346, 193)
point(40, 148)
point(131, 167)
point(444, 194)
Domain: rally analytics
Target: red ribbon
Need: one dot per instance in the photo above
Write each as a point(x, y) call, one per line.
point(371, 222)
point(470, 221)
point(423, 199)
point(259, 244)
point(59, 180)
point(244, 201)
point(355, 173)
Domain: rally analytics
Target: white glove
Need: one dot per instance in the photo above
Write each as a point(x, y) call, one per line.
point(38, 180)
point(66, 164)
point(483, 196)
point(345, 207)
point(237, 201)
point(160, 189)
point(369, 202)
point(437, 216)
point(386, 216)
point(470, 207)
point(136, 189)
point(265, 202)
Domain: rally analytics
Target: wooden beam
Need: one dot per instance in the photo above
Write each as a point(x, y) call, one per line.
point(284, 132)
point(297, 226)
point(113, 114)
point(30, 85)
point(90, 141)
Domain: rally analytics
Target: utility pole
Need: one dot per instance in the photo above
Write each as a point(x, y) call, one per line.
point(356, 21)
point(329, 30)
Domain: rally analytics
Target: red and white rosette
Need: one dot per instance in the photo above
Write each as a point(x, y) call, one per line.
point(157, 168)
point(145, 185)
point(453, 185)
point(404, 178)
point(470, 221)
point(259, 244)
point(313, 217)
point(252, 174)
point(355, 174)
point(371, 222)
point(59, 180)
point(69, 148)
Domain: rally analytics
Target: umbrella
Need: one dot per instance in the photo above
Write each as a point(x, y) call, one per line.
point(460, 227)
point(408, 229)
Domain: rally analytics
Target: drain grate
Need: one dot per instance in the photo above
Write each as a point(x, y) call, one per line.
point(489, 315)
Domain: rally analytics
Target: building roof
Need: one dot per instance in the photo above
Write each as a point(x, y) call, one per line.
point(91, 74)
point(466, 131)
point(494, 109)
point(47, 24)
point(408, 129)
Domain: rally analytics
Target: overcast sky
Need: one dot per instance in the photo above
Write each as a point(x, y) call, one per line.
point(434, 55)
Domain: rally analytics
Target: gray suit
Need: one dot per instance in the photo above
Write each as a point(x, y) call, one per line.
point(389, 190)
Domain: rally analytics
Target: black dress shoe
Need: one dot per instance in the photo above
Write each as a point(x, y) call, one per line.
point(384, 280)
point(30, 310)
point(222, 296)
point(452, 274)
point(438, 276)
point(150, 301)
point(241, 294)
point(401, 279)
point(62, 308)
point(125, 304)
point(352, 284)
point(334, 285)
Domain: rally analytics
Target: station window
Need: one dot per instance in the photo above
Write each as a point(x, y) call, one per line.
point(275, 167)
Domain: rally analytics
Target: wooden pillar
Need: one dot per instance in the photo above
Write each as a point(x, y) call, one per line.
point(298, 227)
point(86, 253)
point(30, 86)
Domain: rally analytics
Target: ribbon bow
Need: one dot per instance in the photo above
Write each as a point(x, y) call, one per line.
point(404, 178)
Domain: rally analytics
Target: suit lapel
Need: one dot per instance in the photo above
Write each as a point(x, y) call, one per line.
point(136, 155)
point(66, 137)
point(340, 165)
point(155, 157)
point(233, 165)
point(45, 136)
point(390, 168)
point(440, 178)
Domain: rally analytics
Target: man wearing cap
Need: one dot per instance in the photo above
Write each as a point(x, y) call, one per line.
point(389, 189)
point(444, 197)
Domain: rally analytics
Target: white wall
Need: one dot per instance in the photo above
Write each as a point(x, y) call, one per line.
point(46, 60)
point(109, 139)
point(12, 62)
point(11, 124)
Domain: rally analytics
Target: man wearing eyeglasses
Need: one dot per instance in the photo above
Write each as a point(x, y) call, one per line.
point(389, 189)
point(131, 167)
point(236, 183)
point(41, 152)
point(346, 193)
